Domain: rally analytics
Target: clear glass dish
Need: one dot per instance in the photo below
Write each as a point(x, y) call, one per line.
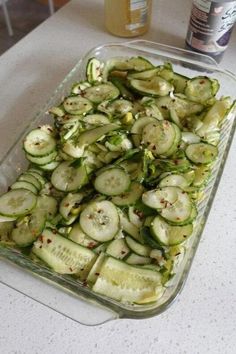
point(63, 293)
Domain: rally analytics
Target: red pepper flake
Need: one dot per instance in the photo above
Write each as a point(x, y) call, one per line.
point(8, 188)
point(176, 162)
point(50, 129)
point(91, 245)
point(54, 231)
point(123, 252)
point(40, 238)
point(71, 269)
point(40, 246)
point(202, 82)
point(177, 254)
point(139, 213)
point(85, 283)
point(37, 143)
point(49, 241)
point(67, 204)
point(97, 274)
point(177, 218)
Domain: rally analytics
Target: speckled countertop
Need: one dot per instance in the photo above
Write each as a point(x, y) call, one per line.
point(203, 319)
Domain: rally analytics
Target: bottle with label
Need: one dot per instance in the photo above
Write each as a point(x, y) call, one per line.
point(128, 18)
point(211, 24)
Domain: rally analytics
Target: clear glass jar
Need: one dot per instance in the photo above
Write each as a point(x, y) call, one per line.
point(128, 18)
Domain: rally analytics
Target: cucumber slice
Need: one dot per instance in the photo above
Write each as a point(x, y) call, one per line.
point(126, 283)
point(202, 173)
point(94, 70)
point(112, 181)
point(129, 197)
point(135, 216)
point(6, 228)
point(174, 180)
point(70, 205)
point(100, 220)
point(155, 87)
point(135, 259)
point(201, 153)
point(68, 178)
point(190, 138)
point(26, 177)
point(201, 89)
point(24, 185)
point(159, 136)
point(77, 105)
point(179, 82)
point(17, 202)
point(48, 205)
point(161, 198)
point(78, 236)
point(168, 235)
point(117, 107)
point(118, 249)
point(40, 179)
point(135, 63)
point(50, 166)
point(136, 247)
point(180, 211)
point(29, 228)
point(42, 160)
point(95, 270)
point(102, 92)
point(120, 84)
point(96, 119)
point(63, 255)
point(138, 127)
point(128, 227)
point(79, 87)
point(143, 75)
point(182, 106)
point(39, 143)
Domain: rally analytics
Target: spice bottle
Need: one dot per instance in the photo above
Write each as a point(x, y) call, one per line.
point(211, 24)
point(128, 18)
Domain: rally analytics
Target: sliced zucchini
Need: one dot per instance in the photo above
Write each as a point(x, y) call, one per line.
point(154, 87)
point(201, 153)
point(100, 220)
point(168, 235)
point(130, 196)
point(63, 255)
point(112, 181)
point(39, 143)
point(102, 92)
point(77, 105)
point(67, 178)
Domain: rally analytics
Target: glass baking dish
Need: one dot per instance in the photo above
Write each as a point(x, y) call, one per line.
point(63, 293)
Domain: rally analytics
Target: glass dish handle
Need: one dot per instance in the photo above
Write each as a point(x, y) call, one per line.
point(173, 52)
point(75, 307)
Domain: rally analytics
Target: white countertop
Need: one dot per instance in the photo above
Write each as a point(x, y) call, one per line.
point(203, 319)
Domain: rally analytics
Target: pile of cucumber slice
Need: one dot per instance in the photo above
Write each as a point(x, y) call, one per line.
point(110, 196)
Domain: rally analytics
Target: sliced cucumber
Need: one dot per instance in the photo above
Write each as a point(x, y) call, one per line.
point(48, 205)
point(17, 202)
point(26, 177)
point(182, 106)
point(174, 180)
point(95, 270)
point(128, 227)
point(77, 105)
point(94, 70)
point(168, 235)
point(43, 160)
point(161, 198)
point(79, 87)
point(117, 107)
point(39, 143)
point(135, 259)
point(202, 174)
point(143, 75)
point(138, 127)
point(179, 82)
point(68, 178)
point(24, 185)
point(190, 138)
point(70, 205)
point(102, 92)
point(155, 87)
point(78, 236)
point(63, 255)
point(131, 195)
point(135, 63)
point(40, 179)
point(50, 166)
point(118, 248)
point(126, 283)
point(96, 119)
point(180, 211)
point(136, 247)
point(159, 136)
point(6, 228)
point(201, 153)
point(100, 220)
point(112, 181)
point(201, 89)
point(135, 216)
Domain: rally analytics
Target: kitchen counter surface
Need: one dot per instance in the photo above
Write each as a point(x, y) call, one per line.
point(203, 318)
